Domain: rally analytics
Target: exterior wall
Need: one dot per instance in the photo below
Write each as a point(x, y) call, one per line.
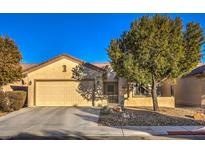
point(166, 88)
point(123, 90)
point(55, 71)
point(111, 75)
point(203, 92)
point(188, 92)
point(147, 102)
point(166, 100)
point(100, 103)
point(8, 87)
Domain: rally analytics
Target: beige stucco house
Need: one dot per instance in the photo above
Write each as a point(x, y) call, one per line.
point(67, 81)
point(190, 89)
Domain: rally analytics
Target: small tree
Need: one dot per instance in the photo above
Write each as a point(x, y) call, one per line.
point(156, 48)
point(10, 57)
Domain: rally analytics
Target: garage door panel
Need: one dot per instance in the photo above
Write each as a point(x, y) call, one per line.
point(61, 93)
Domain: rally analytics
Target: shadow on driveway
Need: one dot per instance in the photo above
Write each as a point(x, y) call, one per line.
point(49, 135)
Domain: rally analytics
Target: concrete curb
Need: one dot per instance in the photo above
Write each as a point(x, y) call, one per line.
point(186, 133)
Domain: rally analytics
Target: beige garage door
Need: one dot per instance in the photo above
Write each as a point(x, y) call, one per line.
point(64, 93)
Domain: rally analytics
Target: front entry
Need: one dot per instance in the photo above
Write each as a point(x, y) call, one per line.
point(111, 91)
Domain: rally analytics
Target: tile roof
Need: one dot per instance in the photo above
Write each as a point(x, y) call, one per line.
point(101, 65)
point(30, 67)
point(198, 70)
point(27, 66)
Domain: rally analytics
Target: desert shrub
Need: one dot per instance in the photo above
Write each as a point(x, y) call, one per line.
point(12, 100)
point(75, 105)
point(4, 102)
point(105, 110)
point(2, 96)
point(100, 105)
point(17, 99)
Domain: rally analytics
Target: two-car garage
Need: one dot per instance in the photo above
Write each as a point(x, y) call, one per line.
point(62, 93)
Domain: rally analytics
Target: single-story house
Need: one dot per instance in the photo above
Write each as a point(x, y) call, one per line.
point(190, 89)
point(67, 81)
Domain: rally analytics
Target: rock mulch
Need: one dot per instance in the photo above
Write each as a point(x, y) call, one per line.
point(147, 117)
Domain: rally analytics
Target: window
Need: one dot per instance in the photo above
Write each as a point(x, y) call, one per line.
point(111, 91)
point(64, 68)
point(163, 90)
point(110, 88)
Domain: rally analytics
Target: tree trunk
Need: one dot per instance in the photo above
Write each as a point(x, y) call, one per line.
point(154, 95)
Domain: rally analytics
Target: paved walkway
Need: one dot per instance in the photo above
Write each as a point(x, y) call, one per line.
point(81, 123)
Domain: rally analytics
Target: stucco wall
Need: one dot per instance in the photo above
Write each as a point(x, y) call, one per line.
point(166, 101)
point(147, 102)
point(55, 71)
point(188, 92)
point(8, 87)
point(122, 90)
point(203, 92)
point(166, 88)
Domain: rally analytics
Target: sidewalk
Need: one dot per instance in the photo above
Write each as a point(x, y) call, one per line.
point(164, 130)
point(145, 130)
point(105, 132)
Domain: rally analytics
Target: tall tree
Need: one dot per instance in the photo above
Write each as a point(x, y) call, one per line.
point(10, 57)
point(156, 48)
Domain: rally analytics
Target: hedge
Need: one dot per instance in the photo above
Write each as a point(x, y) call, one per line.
point(12, 100)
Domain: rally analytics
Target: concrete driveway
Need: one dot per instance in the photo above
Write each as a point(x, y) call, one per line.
point(58, 123)
point(74, 123)
point(55, 122)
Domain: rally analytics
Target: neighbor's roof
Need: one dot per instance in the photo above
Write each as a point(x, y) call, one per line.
point(32, 67)
point(101, 65)
point(27, 66)
point(200, 69)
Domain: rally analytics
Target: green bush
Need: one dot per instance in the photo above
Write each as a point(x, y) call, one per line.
point(12, 100)
point(105, 110)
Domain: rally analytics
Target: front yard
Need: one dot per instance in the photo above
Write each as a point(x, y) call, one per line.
point(146, 117)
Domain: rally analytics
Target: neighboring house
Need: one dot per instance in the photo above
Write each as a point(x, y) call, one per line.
point(190, 90)
point(67, 81)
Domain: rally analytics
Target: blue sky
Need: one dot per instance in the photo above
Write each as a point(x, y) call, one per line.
point(85, 36)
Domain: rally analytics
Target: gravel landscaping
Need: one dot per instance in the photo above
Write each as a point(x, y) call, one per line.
point(146, 117)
